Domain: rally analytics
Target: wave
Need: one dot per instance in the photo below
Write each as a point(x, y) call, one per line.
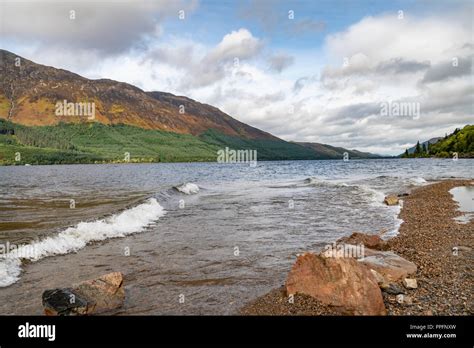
point(188, 188)
point(72, 239)
point(321, 182)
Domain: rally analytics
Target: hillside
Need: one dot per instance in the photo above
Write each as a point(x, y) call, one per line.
point(460, 141)
point(327, 151)
point(29, 93)
point(151, 126)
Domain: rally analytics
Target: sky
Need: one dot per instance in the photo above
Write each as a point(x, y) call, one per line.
point(304, 70)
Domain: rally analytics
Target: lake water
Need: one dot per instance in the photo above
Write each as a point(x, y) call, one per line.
point(464, 197)
point(216, 249)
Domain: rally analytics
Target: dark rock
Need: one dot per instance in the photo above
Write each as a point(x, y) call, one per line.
point(392, 289)
point(63, 302)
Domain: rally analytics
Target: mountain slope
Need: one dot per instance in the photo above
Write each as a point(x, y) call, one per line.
point(327, 151)
point(30, 91)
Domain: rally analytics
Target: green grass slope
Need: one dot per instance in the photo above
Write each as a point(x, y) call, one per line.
point(98, 143)
point(460, 141)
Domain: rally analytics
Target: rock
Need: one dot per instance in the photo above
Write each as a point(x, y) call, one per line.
point(391, 200)
point(371, 241)
point(378, 277)
point(342, 283)
point(403, 194)
point(392, 288)
point(391, 266)
point(63, 302)
point(94, 296)
point(404, 300)
point(410, 283)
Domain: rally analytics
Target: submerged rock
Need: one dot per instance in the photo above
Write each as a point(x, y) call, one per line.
point(94, 296)
point(391, 200)
point(342, 283)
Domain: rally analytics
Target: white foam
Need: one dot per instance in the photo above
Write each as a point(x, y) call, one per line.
point(188, 188)
point(74, 238)
point(418, 181)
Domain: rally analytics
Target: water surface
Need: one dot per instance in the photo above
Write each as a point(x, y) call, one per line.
point(225, 245)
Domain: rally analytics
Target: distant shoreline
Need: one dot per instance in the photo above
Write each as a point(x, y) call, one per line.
point(426, 237)
point(204, 161)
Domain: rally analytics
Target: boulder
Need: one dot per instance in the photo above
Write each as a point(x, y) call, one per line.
point(372, 241)
point(392, 288)
point(94, 296)
point(410, 283)
point(388, 264)
point(391, 200)
point(342, 283)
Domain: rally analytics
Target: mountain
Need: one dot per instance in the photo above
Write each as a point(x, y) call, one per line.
point(461, 141)
point(152, 126)
point(327, 151)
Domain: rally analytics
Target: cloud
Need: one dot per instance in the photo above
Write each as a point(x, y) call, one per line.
point(401, 66)
point(238, 44)
point(107, 27)
point(449, 69)
point(280, 62)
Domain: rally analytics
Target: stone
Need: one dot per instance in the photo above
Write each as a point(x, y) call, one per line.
point(392, 288)
point(391, 200)
point(372, 241)
point(63, 302)
point(390, 265)
point(404, 300)
point(341, 283)
point(94, 296)
point(410, 283)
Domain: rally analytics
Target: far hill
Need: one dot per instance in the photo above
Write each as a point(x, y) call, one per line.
point(328, 151)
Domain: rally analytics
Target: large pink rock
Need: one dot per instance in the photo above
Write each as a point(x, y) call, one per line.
point(342, 283)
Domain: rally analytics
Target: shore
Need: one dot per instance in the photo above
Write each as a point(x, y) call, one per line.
point(427, 238)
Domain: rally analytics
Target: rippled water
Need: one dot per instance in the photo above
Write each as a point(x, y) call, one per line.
point(217, 248)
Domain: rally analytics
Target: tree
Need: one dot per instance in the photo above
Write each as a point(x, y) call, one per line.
point(424, 148)
point(406, 153)
point(417, 148)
